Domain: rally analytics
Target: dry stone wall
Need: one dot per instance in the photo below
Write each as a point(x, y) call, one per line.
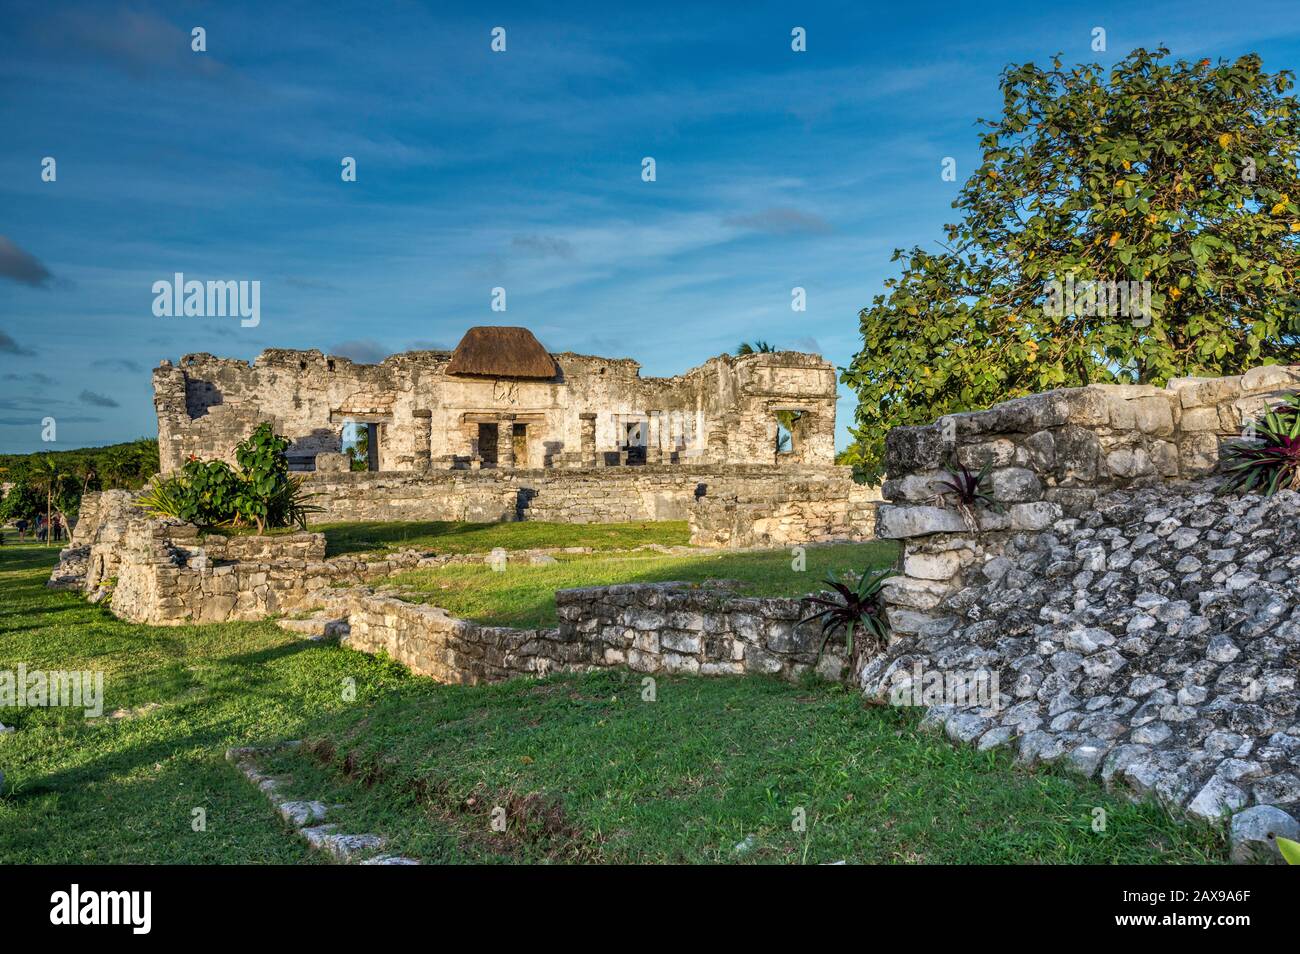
point(727, 506)
point(163, 572)
point(815, 507)
point(1140, 626)
point(649, 628)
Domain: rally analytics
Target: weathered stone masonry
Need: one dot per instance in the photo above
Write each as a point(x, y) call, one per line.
point(563, 437)
point(649, 628)
point(427, 418)
point(163, 573)
point(1142, 627)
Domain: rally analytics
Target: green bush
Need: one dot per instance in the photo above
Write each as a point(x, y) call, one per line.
point(211, 493)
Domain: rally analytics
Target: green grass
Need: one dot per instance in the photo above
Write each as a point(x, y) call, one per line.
point(593, 772)
point(523, 595)
point(446, 537)
point(589, 771)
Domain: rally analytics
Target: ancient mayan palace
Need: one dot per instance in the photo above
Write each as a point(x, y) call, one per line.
point(500, 429)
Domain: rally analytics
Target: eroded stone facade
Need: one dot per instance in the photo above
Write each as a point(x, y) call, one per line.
point(1144, 628)
point(594, 412)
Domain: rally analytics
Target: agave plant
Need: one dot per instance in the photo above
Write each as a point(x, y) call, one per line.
point(855, 607)
point(1271, 461)
point(970, 491)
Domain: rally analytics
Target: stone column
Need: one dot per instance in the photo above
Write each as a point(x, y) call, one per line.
point(654, 452)
point(506, 441)
point(422, 418)
point(588, 444)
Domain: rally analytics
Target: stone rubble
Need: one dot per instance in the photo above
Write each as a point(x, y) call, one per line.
point(1153, 642)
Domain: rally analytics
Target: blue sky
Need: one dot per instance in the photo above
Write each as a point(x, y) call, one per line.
point(477, 169)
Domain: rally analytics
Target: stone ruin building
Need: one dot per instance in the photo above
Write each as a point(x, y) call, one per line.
point(501, 429)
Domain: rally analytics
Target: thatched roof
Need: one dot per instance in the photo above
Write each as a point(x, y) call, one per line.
point(498, 352)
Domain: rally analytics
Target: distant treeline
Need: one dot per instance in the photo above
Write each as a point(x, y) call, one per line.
point(55, 480)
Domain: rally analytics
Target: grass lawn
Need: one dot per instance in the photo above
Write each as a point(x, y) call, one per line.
point(446, 537)
point(524, 595)
point(596, 773)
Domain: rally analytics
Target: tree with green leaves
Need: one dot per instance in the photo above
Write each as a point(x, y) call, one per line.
point(756, 347)
point(58, 488)
point(1125, 225)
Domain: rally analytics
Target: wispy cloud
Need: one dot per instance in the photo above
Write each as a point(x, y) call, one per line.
point(121, 364)
point(544, 246)
point(35, 377)
point(9, 346)
point(19, 265)
point(781, 221)
point(94, 399)
point(138, 43)
point(362, 350)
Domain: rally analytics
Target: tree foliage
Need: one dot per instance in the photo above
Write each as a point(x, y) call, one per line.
point(1181, 175)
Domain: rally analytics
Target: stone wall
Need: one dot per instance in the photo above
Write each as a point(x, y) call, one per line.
point(164, 572)
point(1143, 627)
point(734, 505)
point(723, 411)
point(814, 507)
point(1065, 446)
point(1153, 642)
point(1052, 455)
point(649, 628)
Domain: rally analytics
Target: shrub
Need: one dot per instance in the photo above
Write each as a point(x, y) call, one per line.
point(857, 607)
point(210, 493)
point(1270, 460)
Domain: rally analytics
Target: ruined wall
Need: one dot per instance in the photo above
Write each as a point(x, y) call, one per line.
point(1052, 455)
point(1143, 627)
point(813, 502)
point(164, 572)
point(816, 506)
point(649, 628)
point(721, 412)
point(1066, 446)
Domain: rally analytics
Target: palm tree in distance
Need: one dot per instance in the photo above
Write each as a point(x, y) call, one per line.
point(757, 347)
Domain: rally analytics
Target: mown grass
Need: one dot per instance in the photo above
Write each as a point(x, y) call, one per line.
point(446, 537)
point(587, 769)
point(524, 595)
point(103, 791)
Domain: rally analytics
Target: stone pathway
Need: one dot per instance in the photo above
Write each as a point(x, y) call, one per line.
point(306, 816)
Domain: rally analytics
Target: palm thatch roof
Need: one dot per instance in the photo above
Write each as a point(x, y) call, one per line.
point(500, 352)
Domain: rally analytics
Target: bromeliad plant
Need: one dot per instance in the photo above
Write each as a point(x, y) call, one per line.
point(854, 608)
point(1290, 850)
point(969, 491)
point(210, 493)
point(1271, 460)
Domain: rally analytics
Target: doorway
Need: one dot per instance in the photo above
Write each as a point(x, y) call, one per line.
point(487, 444)
point(519, 442)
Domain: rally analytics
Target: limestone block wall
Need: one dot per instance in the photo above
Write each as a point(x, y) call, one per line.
point(164, 572)
point(649, 628)
point(737, 505)
point(814, 508)
point(1065, 446)
point(1052, 454)
point(1136, 624)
